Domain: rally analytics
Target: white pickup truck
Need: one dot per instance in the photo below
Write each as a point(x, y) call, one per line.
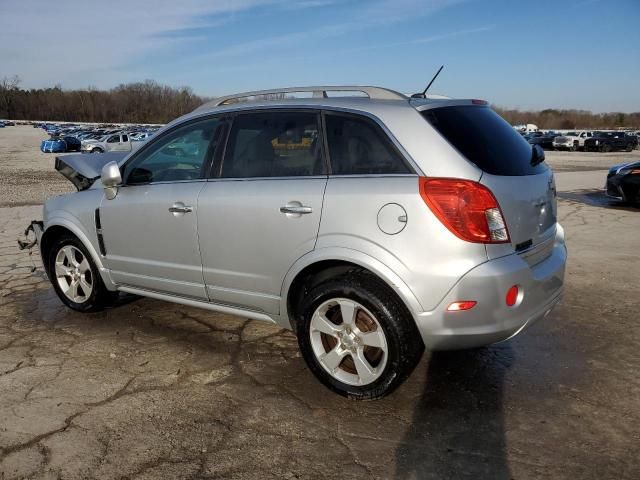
point(572, 141)
point(116, 142)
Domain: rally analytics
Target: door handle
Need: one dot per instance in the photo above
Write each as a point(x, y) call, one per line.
point(180, 207)
point(296, 210)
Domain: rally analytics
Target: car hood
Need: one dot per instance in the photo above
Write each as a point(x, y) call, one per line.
point(83, 169)
point(615, 168)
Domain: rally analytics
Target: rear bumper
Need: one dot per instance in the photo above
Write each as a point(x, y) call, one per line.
point(491, 320)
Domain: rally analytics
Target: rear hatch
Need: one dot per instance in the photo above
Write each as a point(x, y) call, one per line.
point(524, 188)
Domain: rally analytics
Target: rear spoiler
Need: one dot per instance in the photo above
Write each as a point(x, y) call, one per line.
point(84, 169)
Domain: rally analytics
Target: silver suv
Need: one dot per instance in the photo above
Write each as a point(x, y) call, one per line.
point(370, 225)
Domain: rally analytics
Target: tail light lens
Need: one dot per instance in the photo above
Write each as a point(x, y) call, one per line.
point(468, 209)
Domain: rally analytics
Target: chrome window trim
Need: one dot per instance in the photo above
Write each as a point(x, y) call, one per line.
point(198, 180)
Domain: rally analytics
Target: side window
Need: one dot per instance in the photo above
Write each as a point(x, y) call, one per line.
point(273, 144)
point(359, 147)
point(125, 138)
point(180, 154)
point(114, 139)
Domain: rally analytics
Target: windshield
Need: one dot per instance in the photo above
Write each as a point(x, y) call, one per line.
point(485, 139)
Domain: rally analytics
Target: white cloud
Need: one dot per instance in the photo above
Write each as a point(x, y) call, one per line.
point(46, 43)
point(79, 43)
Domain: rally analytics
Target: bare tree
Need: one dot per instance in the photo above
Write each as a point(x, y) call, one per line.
point(8, 89)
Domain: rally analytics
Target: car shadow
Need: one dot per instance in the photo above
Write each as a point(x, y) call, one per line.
point(596, 198)
point(458, 426)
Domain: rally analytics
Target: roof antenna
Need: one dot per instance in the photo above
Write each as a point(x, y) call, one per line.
point(424, 92)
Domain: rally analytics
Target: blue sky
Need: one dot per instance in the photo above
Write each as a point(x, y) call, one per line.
point(523, 54)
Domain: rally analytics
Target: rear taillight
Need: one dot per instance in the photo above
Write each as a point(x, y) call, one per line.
point(468, 209)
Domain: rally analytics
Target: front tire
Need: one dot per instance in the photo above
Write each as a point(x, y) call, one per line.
point(75, 277)
point(357, 337)
point(97, 150)
point(605, 148)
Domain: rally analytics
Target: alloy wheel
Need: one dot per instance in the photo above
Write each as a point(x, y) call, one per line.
point(348, 341)
point(73, 274)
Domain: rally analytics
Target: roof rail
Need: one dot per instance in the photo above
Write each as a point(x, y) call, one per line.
point(374, 93)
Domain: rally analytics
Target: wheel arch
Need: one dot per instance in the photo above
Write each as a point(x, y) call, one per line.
point(320, 265)
point(59, 227)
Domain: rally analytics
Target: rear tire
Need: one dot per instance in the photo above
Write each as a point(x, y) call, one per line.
point(75, 277)
point(629, 148)
point(605, 148)
point(357, 337)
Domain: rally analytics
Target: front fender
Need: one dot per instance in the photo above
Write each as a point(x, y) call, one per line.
point(352, 256)
point(67, 220)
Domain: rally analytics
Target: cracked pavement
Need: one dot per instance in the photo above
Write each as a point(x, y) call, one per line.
point(151, 390)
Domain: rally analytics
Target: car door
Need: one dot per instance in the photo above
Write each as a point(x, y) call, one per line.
point(150, 228)
point(262, 210)
point(113, 143)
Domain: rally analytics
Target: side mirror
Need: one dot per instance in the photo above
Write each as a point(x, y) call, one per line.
point(111, 179)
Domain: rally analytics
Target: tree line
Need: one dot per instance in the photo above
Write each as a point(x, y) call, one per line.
point(150, 102)
point(140, 102)
point(553, 119)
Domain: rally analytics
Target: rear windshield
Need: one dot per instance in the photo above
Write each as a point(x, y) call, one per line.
point(485, 139)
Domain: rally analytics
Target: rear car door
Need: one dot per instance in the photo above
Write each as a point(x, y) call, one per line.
point(262, 210)
point(149, 229)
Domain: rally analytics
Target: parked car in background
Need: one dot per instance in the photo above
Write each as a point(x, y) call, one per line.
point(141, 136)
point(73, 144)
point(1, 124)
point(571, 141)
point(9, 123)
point(545, 140)
point(623, 182)
point(53, 145)
point(526, 128)
point(118, 142)
point(635, 140)
point(609, 142)
point(338, 217)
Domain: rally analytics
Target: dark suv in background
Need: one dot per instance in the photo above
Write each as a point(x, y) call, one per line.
point(610, 141)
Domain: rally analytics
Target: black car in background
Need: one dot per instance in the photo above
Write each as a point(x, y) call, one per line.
point(623, 182)
point(610, 142)
point(73, 144)
point(545, 140)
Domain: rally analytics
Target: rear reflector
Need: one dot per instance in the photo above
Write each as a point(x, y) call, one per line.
point(468, 209)
point(512, 296)
point(463, 305)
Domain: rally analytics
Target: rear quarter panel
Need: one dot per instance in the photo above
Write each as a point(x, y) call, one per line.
point(425, 255)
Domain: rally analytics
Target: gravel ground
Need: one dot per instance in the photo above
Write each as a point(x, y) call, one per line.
point(152, 390)
point(27, 176)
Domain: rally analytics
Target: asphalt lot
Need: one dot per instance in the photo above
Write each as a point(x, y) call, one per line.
point(155, 390)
